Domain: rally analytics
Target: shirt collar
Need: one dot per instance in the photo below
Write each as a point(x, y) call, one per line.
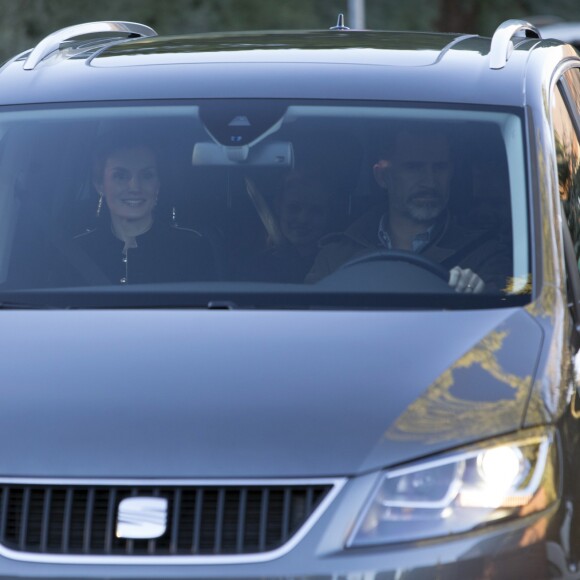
point(420, 241)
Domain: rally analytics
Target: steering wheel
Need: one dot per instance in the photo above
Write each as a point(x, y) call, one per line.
point(413, 258)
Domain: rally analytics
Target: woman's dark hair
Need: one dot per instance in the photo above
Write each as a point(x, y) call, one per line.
point(109, 143)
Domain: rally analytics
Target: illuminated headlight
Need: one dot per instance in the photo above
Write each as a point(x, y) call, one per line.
point(460, 492)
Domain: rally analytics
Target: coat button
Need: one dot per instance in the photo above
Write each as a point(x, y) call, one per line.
point(123, 280)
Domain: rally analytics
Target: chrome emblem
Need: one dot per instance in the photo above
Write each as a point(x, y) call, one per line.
point(142, 518)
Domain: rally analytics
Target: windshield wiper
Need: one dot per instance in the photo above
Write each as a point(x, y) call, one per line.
point(221, 305)
point(27, 306)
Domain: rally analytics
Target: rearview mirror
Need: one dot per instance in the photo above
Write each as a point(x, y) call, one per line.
point(273, 154)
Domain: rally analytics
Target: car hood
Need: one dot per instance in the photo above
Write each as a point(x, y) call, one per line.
point(212, 394)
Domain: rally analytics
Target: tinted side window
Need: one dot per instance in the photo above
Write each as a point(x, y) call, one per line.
point(568, 158)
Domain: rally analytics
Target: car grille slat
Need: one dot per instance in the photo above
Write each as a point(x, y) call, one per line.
point(174, 541)
point(45, 520)
point(240, 533)
point(206, 520)
point(67, 520)
point(263, 519)
point(219, 521)
point(197, 521)
point(88, 520)
point(286, 511)
point(24, 517)
point(109, 524)
point(4, 514)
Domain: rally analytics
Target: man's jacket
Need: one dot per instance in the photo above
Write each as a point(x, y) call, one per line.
point(483, 251)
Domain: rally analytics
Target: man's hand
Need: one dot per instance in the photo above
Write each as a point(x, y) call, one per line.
point(465, 281)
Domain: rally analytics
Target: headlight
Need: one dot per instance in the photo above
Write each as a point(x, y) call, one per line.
point(461, 491)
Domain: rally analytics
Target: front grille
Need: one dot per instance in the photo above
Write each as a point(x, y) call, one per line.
point(201, 520)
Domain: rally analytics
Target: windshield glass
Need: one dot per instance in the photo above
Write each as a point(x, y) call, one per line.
point(262, 204)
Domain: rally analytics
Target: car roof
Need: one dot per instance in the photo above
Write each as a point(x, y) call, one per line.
point(331, 64)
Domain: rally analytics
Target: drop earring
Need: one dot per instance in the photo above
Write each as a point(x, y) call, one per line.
point(100, 205)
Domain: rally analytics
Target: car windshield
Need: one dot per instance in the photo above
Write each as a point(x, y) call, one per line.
point(262, 204)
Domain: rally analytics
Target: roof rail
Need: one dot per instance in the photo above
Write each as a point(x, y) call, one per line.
point(501, 42)
point(54, 40)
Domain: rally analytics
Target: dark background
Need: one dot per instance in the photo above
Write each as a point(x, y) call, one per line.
point(24, 22)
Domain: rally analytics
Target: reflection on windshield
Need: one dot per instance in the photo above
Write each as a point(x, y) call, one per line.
point(326, 200)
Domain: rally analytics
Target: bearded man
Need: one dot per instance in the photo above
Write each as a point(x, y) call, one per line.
point(415, 171)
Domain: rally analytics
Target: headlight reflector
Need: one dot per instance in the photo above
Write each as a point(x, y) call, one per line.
point(460, 491)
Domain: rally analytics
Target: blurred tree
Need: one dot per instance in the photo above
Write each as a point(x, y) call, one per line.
point(470, 16)
point(25, 22)
point(455, 15)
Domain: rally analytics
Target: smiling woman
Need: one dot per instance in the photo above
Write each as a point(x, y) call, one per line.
point(131, 246)
point(130, 185)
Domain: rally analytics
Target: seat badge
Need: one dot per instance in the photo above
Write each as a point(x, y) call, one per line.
point(142, 518)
